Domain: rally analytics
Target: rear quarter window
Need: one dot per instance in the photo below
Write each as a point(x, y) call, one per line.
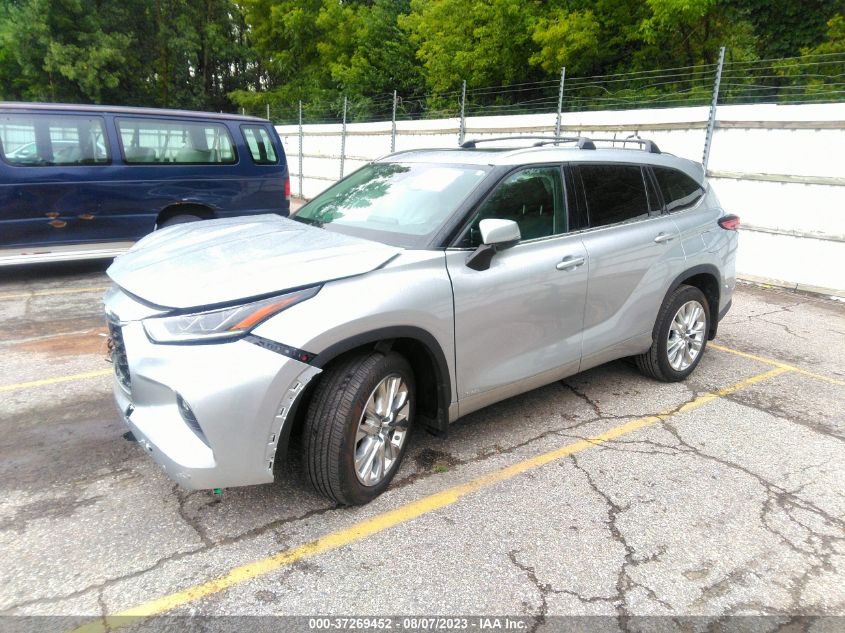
point(171, 141)
point(679, 190)
point(260, 145)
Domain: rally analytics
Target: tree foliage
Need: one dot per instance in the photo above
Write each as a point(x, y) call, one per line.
point(223, 54)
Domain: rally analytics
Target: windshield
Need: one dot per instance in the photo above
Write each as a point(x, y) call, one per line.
point(402, 204)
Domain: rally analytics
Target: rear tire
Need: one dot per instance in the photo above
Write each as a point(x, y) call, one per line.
point(182, 218)
point(351, 426)
point(679, 337)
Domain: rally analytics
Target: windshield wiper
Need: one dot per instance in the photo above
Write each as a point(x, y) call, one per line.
point(318, 223)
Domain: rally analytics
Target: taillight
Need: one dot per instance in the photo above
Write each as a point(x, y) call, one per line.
point(729, 222)
point(287, 188)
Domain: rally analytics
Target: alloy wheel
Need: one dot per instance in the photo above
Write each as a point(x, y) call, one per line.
point(382, 430)
point(686, 335)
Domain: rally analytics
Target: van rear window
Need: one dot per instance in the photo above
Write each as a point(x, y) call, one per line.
point(39, 140)
point(260, 145)
point(161, 141)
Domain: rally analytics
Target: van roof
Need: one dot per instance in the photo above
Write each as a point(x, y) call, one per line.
point(68, 107)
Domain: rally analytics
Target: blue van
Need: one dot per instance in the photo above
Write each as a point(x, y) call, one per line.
point(84, 182)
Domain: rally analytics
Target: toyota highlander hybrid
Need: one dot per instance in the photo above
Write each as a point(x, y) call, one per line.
point(424, 286)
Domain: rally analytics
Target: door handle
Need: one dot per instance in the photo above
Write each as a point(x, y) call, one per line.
point(570, 261)
point(664, 237)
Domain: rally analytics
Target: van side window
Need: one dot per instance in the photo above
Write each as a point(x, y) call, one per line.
point(679, 190)
point(614, 193)
point(47, 140)
point(260, 145)
point(172, 141)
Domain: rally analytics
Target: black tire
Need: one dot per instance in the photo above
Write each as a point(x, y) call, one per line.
point(655, 362)
point(331, 424)
point(182, 218)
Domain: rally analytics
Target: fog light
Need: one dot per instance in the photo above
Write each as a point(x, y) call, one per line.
point(190, 419)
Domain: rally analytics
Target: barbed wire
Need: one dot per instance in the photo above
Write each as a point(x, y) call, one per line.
point(814, 78)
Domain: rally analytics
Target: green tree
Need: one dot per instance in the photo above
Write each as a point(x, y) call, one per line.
point(135, 52)
point(485, 42)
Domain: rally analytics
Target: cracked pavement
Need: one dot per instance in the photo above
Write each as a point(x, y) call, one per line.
point(735, 507)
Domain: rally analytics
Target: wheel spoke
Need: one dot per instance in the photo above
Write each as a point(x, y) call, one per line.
point(399, 400)
point(366, 429)
point(381, 399)
point(378, 462)
point(364, 458)
point(674, 356)
point(382, 430)
point(392, 389)
point(391, 451)
point(401, 419)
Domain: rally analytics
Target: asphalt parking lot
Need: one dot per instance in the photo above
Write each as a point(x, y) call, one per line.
point(606, 494)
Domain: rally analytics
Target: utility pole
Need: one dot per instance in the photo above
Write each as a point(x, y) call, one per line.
point(343, 138)
point(462, 128)
point(560, 101)
point(301, 177)
point(393, 126)
point(711, 119)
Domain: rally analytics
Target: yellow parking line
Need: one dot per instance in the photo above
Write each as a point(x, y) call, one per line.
point(777, 363)
point(392, 518)
point(53, 381)
point(50, 293)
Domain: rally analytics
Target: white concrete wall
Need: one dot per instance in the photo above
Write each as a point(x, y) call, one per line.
point(780, 168)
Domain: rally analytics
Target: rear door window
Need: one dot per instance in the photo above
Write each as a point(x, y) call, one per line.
point(38, 140)
point(614, 193)
point(679, 190)
point(173, 141)
point(260, 145)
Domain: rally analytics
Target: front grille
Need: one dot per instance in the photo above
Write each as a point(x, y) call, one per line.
point(117, 354)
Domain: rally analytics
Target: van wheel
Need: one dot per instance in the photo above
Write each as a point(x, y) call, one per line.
point(182, 218)
point(679, 336)
point(357, 426)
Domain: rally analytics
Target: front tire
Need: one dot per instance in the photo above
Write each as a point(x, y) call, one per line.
point(357, 426)
point(679, 336)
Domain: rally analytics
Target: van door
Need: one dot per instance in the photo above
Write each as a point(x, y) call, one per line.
point(51, 195)
point(634, 252)
point(518, 323)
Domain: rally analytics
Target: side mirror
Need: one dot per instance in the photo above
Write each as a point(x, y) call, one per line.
point(496, 235)
point(503, 233)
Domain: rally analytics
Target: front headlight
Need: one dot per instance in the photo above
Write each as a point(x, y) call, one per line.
point(217, 325)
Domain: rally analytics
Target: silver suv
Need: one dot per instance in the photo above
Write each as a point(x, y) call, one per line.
point(422, 287)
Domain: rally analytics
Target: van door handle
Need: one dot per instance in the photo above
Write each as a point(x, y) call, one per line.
point(570, 262)
point(664, 237)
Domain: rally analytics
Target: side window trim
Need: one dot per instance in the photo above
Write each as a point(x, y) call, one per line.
point(152, 120)
point(582, 197)
point(653, 191)
point(263, 128)
point(41, 123)
point(470, 216)
point(699, 194)
point(583, 215)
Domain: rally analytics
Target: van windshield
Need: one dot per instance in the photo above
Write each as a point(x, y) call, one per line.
point(402, 204)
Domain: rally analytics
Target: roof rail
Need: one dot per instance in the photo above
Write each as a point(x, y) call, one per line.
point(470, 144)
point(648, 146)
point(582, 142)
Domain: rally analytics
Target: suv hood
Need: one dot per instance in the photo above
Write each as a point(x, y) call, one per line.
point(219, 261)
